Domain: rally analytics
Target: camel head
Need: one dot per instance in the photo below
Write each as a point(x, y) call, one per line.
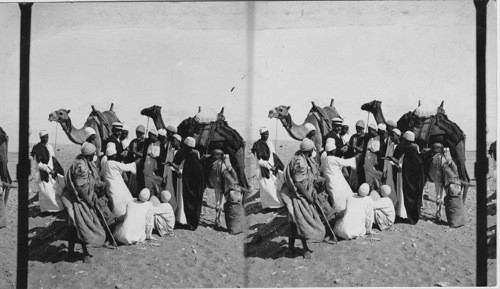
point(62, 117)
point(281, 113)
point(372, 107)
point(152, 111)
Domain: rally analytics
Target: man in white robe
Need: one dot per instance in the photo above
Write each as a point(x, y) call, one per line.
point(49, 175)
point(371, 157)
point(389, 176)
point(335, 183)
point(116, 188)
point(270, 171)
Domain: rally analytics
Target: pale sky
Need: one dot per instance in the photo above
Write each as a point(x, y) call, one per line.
point(183, 55)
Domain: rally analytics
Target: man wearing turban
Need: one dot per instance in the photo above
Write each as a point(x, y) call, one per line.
point(413, 176)
point(299, 196)
point(270, 171)
point(81, 201)
point(49, 175)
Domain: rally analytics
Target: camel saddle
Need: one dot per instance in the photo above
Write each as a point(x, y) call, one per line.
point(324, 122)
point(103, 126)
point(438, 124)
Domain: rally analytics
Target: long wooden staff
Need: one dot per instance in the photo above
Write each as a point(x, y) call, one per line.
point(106, 225)
point(326, 220)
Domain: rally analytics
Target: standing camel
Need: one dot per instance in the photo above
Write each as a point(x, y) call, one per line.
point(101, 122)
point(441, 130)
point(298, 132)
point(219, 136)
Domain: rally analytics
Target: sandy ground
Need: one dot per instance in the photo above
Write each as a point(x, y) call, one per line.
point(422, 255)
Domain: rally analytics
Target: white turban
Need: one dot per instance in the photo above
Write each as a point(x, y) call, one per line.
point(309, 127)
point(263, 130)
point(153, 131)
point(373, 126)
point(172, 128)
point(382, 126)
point(87, 149)
point(385, 190)
point(110, 151)
point(144, 195)
point(166, 196)
point(89, 131)
point(409, 135)
point(125, 128)
point(363, 190)
point(330, 146)
point(306, 145)
point(162, 132)
point(330, 139)
point(178, 137)
point(396, 131)
point(43, 133)
point(110, 144)
point(190, 142)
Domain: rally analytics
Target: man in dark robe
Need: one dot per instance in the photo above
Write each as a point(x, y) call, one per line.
point(193, 181)
point(335, 134)
point(413, 175)
point(134, 155)
point(354, 150)
point(115, 138)
point(384, 142)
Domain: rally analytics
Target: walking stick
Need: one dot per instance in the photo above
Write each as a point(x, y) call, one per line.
point(326, 220)
point(106, 226)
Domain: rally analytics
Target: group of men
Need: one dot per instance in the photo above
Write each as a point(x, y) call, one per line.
point(328, 187)
point(124, 190)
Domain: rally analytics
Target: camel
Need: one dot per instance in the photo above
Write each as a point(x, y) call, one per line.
point(437, 134)
point(221, 136)
point(298, 132)
point(99, 121)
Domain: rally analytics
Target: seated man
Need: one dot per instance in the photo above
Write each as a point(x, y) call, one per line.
point(164, 216)
point(138, 223)
point(358, 217)
point(383, 209)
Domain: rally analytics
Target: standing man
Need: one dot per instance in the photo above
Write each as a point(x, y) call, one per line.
point(335, 134)
point(344, 132)
point(81, 201)
point(135, 151)
point(384, 142)
point(389, 175)
point(49, 175)
point(270, 172)
point(150, 160)
point(193, 182)
point(355, 150)
point(115, 138)
point(371, 151)
point(162, 138)
point(413, 176)
point(124, 137)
